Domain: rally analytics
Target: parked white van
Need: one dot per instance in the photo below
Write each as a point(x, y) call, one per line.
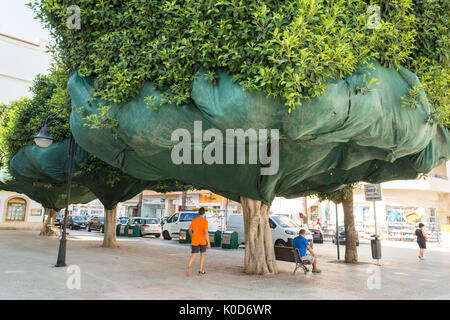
point(179, 220)
point(182, 220)
point(281, 227)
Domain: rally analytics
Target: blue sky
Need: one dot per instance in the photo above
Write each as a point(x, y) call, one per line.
point(16, 20)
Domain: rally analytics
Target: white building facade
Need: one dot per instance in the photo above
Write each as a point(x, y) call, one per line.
point(20, 62)
point(427, 197)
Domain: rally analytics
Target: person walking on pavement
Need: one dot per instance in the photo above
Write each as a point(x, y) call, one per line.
point(198, 230)
point(421, 239)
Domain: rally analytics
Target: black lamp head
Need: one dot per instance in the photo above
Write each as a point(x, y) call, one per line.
point(44, 138)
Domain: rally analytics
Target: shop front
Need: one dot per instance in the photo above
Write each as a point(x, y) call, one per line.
point(403, 221)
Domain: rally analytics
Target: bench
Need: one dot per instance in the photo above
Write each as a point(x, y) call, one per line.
point(290, 254)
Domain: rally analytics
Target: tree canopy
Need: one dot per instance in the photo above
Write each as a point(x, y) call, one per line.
point(287, 49)
point(41, 172)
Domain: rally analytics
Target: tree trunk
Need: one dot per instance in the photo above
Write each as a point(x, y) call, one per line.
point(109, 239)
point(49, 222)
point(305, 211)
point(259, 252)
point(139, 210)
point(351, 253)
point(183, 200)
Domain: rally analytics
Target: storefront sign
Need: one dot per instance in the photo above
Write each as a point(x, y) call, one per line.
point(210, 198)
point(36, 212)
point(412, 216)
point(372, 192)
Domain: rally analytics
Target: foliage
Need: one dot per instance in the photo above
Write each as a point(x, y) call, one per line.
point(22, 119)
point(339, 195)
point(289, 49)
point(430, 55)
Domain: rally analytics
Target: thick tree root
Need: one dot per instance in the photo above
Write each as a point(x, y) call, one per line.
point(259, 252)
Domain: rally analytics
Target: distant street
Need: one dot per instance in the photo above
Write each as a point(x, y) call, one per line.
point(150, 268)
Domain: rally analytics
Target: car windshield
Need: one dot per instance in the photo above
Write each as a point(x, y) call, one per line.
point(151, 221)
point(78, 218)
point(284, 222)
point(188, 216)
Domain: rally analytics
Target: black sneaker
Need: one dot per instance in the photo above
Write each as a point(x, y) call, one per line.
point(201, 272)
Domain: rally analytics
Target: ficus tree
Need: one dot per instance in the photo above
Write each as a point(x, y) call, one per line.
point(33, 167)
point(345, 197)
point(157, 87)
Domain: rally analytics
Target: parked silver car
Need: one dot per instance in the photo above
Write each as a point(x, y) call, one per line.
point(148, 226)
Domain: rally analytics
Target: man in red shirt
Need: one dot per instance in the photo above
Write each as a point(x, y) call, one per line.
point(198, 230)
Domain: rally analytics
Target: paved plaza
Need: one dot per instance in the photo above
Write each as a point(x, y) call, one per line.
point(150, 268)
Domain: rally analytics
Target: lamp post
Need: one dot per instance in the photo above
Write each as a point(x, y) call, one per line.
point(44, 140)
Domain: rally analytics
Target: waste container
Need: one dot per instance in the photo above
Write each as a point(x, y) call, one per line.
point(121, 230)
point(376, 248)
point(215, 238)
point(230, 240)
point(289, 242)
point(184, 236)
point(133, 231)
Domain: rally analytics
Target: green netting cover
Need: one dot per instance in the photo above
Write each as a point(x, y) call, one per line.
point(351, 133)
point(52, 196)
point(33, 164)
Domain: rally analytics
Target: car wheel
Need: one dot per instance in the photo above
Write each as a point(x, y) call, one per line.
point(166, 235)
point(89, 229)
point(102, 229)
point(157, 235)
point(280, 243)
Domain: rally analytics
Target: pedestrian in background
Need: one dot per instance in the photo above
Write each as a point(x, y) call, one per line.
point(198, 230)
point(319, 223)
point(421, 239)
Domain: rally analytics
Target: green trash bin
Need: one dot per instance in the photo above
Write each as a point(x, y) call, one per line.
point(215, 238)
point(184, 236)
point(133, 231)
point(230, 240)
point(121, 230)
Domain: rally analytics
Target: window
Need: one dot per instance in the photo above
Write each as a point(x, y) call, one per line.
point(16, 209)
point(272, 224)
point(174, 217)
point(188, 216)
point(284, 222)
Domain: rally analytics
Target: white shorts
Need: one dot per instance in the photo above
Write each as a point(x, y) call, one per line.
point(308, 259)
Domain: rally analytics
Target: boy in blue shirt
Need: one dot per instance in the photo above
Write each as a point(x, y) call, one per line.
point(302, 245)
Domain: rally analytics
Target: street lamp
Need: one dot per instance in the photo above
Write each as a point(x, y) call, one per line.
point(44, 140)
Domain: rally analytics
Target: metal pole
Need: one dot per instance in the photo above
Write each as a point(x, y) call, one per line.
point(61, 261)
point(375, 219)
point(226, 215)
point(337, 231)
point(376, 229)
